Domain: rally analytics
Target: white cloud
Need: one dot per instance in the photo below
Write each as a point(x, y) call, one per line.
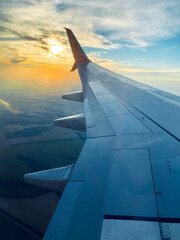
point(8, 106)
point(94, 54)
point(98, 24)
point(124, 67)
point(105, 22)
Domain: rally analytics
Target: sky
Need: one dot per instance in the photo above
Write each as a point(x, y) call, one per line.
point(138, 39)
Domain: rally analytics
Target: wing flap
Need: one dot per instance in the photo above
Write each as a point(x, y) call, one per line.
point(135, 196)
point(130, 229)
point(61, 219)
point(79, 214)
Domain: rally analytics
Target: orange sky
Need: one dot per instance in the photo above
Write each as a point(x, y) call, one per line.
point(31, 33)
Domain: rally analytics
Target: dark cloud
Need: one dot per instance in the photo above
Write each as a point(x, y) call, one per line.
point(4, 18)
point(26, 2)
point(3, 29)
point(47, 32)
point(104, 32)
point(23, 36)
point(8, 39)
point(44, 48)
point(41, 38)
point(16, 3)
point(30, 38)
point(64, 6)
point(18, 59)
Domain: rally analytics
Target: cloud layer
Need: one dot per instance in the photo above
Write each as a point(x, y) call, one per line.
point(26, 27)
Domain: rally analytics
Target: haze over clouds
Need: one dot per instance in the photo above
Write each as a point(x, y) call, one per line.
point(125, 36)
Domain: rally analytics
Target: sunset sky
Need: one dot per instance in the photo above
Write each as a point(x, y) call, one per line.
point(139, 39)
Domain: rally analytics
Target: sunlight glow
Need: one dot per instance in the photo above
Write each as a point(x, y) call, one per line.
point(55, 47)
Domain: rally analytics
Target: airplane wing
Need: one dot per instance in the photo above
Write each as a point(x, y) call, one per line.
point(126, 181)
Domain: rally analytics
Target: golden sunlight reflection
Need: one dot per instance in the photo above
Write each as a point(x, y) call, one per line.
point(46, 77)
point(55, 47)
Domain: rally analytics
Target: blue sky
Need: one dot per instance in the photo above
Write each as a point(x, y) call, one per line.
point(140, 39)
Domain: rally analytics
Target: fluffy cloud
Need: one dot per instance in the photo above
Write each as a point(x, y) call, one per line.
point(135, 22)
point(26, 26)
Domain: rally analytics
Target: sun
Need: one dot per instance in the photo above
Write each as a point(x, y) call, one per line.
point(55, 47)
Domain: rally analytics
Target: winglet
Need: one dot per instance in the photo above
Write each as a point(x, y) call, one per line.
point(73, 67)
point(78, 53)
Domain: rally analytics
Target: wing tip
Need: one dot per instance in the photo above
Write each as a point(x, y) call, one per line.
point(67, 29)
point(78, 53)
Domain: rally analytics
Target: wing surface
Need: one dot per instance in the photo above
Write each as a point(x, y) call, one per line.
point(126, 182)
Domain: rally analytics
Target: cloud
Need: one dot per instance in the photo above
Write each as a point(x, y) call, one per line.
point(18, 60)
point(8, 106)
point(94, 54)
point(9, 39)
point(135, 23)
point(27, 25)
point(123, 67)
point(24, 36)
point(60, 7)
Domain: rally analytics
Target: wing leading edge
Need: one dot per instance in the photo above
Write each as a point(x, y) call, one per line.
point(132, 149)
